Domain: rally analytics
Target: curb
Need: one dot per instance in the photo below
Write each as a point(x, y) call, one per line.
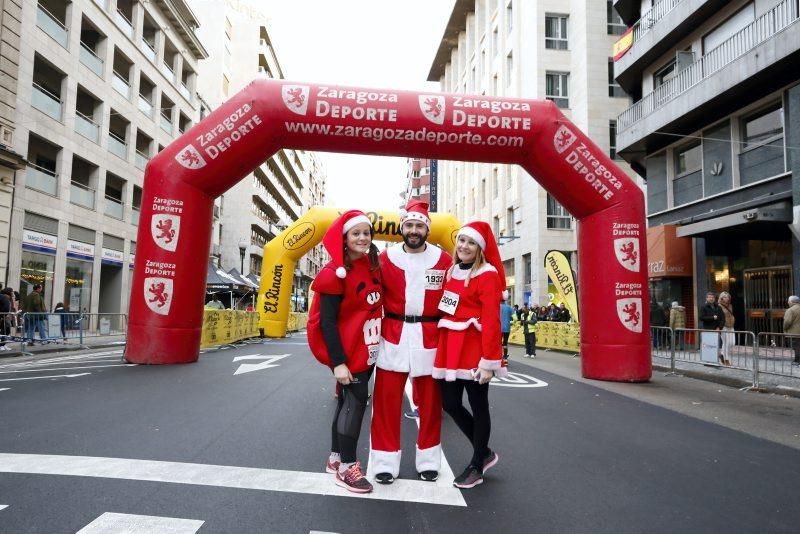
point(733, 382)
point(14, 354)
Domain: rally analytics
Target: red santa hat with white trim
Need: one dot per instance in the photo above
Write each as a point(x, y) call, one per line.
point(415, 210)
point(333, 241)
point(482, 234)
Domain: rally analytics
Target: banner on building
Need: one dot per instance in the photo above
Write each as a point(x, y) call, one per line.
point(560, 272)
point(434, 186)
point(623, 44)
point(39, 242)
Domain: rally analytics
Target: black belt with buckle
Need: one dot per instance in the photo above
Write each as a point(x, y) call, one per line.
point(412, 318)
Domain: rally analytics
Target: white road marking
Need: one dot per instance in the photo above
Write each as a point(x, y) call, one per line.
point(250, 367)
point(42, 377)
point(4, 389)
point(414, 491)
point(518, 380)
point(3, 506)
point(140, 524)
point(109, 354)
point(38, 370)
point(446, 476)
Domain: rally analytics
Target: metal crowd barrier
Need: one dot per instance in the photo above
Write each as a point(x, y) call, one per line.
point(64, 327)
point(771, 353)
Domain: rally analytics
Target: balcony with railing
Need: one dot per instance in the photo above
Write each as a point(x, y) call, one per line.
point(658, 31)
point(117, 146)
point(145, 106)
point(149, 50)
point(121, 84)
point(87, 127)
point(46, 102)
point(123, 23)
point(166, 123)
point(141, 160)
point(135, 214)
point(91, 60)
point(168, 72)
point(51, 26)
point(184, 91)
point(114, 207)
point(41, 179)
point(81, 195)
point(749, 55)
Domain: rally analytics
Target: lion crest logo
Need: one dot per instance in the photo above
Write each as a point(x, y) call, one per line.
point(433, 107)
point(190, 158)
point(564, 139)
point(158, 294)
point(166, 230)
point(629, 312)
point(627, 252)
point(295, 98)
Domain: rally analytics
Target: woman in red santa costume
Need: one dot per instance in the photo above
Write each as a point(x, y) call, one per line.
point(344, 332)
point(413, 273)
point(470, 352)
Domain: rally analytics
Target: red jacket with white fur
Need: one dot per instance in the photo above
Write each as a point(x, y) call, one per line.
point(469, 335)
point(412, 285)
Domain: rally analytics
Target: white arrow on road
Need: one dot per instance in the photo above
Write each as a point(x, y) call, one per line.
point(4, 389)
point(41, 377)
point(269, 361)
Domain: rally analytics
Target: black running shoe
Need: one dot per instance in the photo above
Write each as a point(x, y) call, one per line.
point(470, 478)
point(429, 476)
point(384, 478)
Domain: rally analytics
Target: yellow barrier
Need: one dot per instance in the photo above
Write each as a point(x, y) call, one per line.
point(550, 335)
point(221, 327)
point(296, 321)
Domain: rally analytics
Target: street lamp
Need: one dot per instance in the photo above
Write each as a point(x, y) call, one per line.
point(242, 249)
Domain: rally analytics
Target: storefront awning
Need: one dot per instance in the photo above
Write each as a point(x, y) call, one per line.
point(241, 280)
point(667, 254)
point(780, 212)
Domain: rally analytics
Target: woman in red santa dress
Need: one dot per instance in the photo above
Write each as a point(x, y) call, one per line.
point(344, 333)
point(470, 351)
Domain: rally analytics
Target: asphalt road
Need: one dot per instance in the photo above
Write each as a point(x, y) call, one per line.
point(199, 446)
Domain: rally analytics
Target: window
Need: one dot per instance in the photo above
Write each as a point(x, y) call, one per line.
point(508, 267)
point(496, 182)
point(496, 225)
point(226, 85)
point(557, 88)
point(763, 127)
point(612, 139)
point(510, 221)
point(727, 29)
point(483, 193)
point(495, 42)
point(526, 269)
point(509, 18)
point(688, 159)
point(615, 24)
point(509, 68)
point(614, 89)
point(557, 217)
point(664, 74)
point(555, 32)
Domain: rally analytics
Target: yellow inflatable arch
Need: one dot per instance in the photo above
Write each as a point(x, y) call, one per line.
point(282, 253)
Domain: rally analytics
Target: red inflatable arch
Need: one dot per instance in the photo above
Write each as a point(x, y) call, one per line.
point(181, 183)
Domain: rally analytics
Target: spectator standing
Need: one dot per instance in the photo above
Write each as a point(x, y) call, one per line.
point(563, 313)
point(5, 317)
point(677, 321)
point(62, 311)
point(34, 310)
point(506, 315)
point(529, 320)
point(727, 324)
point(658, 319)
point(711, 316)
point(791, 326)
point(215, 304)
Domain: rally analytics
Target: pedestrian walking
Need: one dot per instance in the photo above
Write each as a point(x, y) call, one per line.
point(727, 326)
point(506, 314)
point(529, 320)
point(34, 318)
point(791, 326)
point(469, 342)
point(344, 331)
point(413, 272)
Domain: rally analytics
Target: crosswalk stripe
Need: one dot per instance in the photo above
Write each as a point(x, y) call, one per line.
point(414, 491)
point(140, 524)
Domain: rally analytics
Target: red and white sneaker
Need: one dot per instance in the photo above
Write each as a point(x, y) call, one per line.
point(353, 480)
point(332, 467)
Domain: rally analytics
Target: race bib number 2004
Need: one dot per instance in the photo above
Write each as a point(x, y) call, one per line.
point(449, 302)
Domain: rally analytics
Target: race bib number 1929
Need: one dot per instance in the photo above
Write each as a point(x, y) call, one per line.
point(449, 302)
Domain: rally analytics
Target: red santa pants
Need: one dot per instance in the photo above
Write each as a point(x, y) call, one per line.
point(386, 414)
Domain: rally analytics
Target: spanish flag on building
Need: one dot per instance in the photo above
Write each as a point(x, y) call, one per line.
point(623, 44)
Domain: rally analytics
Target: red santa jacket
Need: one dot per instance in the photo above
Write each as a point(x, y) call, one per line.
point(360, 312)
point(469, 334)
point(412, 285)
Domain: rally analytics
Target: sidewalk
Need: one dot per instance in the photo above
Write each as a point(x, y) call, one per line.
point(770, 416)
point(18, 349)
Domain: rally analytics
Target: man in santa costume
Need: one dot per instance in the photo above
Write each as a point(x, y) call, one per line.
point(413, 274)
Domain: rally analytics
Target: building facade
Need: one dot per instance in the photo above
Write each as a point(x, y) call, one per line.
point(103, 86)
point(715, 128)
point(533, 49)
point(10, 161)
point(279, 191)
point(421, 182)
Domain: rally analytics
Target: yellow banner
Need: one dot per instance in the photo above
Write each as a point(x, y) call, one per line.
point(560, 272)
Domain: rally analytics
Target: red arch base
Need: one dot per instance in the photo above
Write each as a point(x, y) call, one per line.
point(183, 180)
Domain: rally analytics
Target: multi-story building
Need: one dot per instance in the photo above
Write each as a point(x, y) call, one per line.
point(10, 161)
point(421, 182)
point(103, 86)
point(259, 207)
point(314, 195)
point(715, 127)
point(530, 49)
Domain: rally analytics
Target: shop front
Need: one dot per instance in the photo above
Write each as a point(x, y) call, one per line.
point(669, 271)
point(38, 264)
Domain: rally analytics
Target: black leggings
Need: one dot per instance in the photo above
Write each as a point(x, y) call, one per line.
point(346, 427)
point(476, 426)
